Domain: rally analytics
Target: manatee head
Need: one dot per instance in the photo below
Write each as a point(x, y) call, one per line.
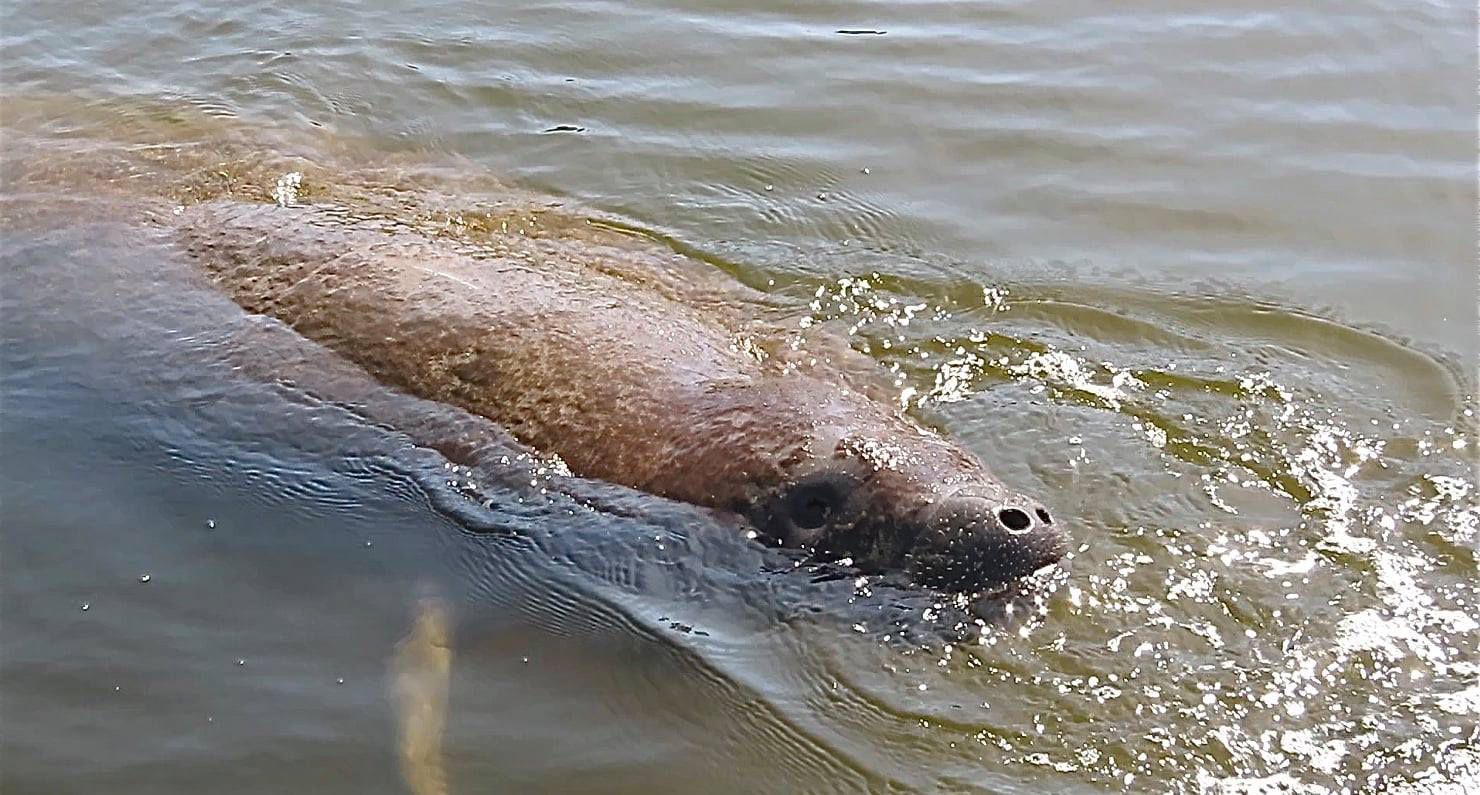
point(896, 497)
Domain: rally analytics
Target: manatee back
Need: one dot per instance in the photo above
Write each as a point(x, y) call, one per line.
point(572, 358)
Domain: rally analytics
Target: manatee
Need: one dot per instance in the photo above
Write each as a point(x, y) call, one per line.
point(634, 369)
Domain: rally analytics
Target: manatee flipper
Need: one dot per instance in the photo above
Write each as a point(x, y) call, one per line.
point(419, 675)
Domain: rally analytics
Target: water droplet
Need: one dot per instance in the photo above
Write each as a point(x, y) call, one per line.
point(285, 192)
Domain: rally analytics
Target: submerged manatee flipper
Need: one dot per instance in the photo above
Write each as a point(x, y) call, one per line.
point(420, 674)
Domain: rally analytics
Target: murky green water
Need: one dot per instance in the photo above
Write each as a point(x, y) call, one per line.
point(1203, 276)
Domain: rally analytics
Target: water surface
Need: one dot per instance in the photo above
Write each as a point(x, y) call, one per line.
point(1202, 275)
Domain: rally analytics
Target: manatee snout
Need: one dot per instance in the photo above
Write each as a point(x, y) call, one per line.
point(970, 541)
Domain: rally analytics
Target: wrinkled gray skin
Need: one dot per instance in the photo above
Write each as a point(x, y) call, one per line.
point(589, 346)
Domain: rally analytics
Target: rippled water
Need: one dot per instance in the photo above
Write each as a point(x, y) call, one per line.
point(1203, 276)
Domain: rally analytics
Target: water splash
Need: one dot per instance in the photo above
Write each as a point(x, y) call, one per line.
point(1316, 640)
point(285, 190)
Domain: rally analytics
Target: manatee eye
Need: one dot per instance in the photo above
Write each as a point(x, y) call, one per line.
point(813, 504)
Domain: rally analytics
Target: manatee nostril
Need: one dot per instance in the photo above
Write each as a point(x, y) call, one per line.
point(1015, 519)
point(1043, 516)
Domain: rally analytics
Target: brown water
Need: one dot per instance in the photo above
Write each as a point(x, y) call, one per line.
point(1203, 276)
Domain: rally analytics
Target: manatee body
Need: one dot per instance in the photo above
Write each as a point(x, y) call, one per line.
point(632, 378)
